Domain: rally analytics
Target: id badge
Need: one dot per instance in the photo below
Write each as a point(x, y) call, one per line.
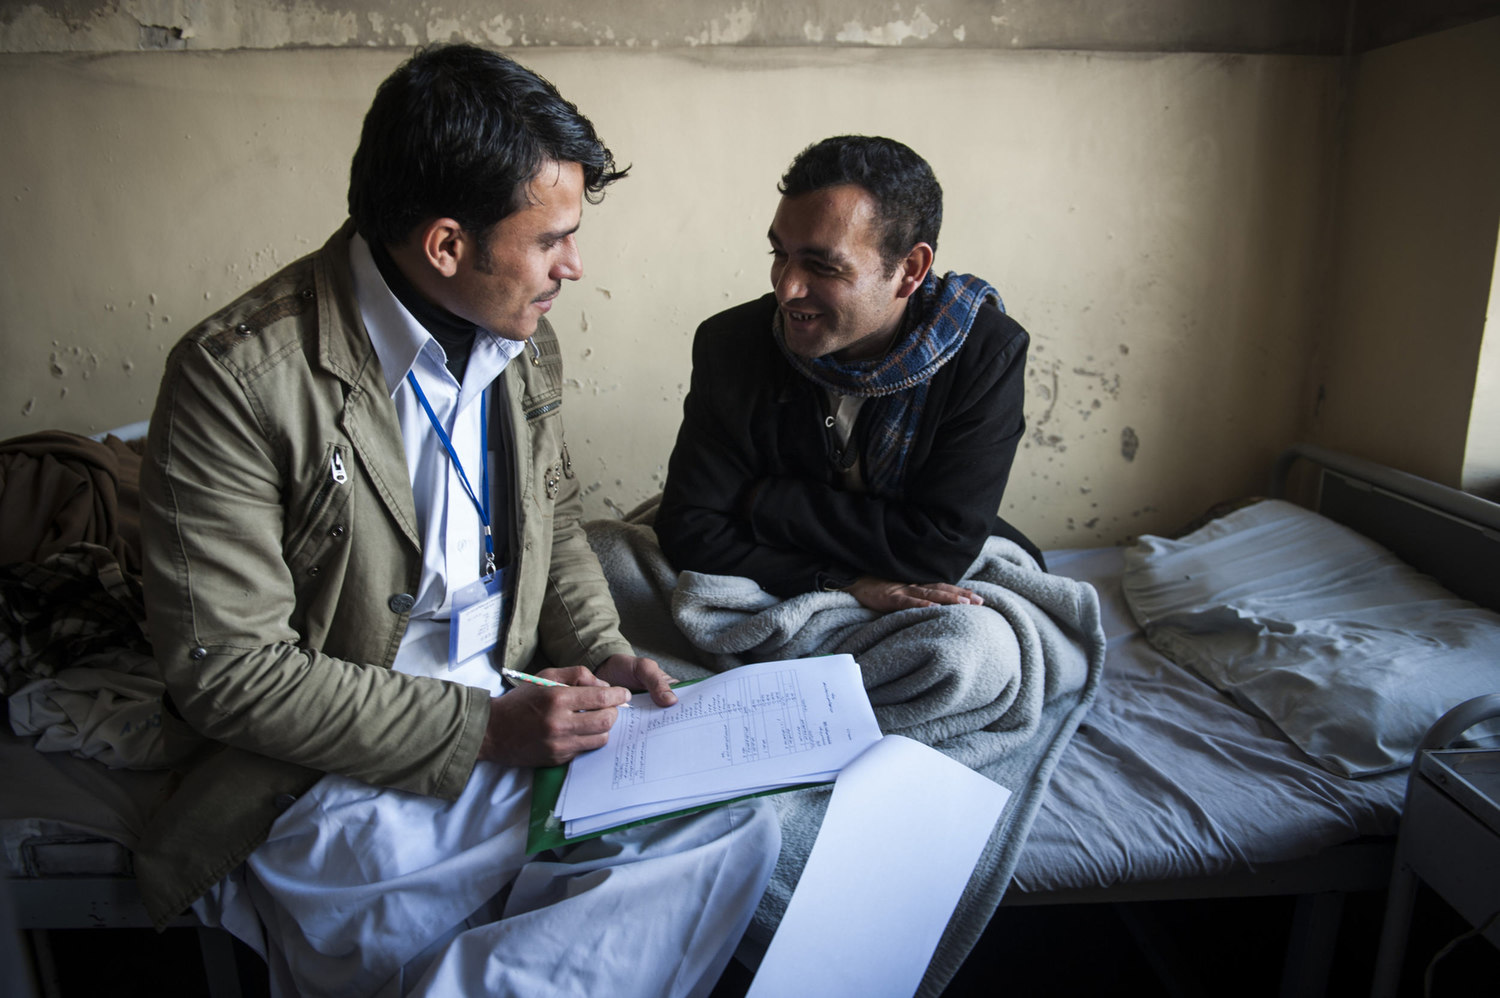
point(478, 611)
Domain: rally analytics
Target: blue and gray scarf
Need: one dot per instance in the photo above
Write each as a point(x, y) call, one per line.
point(944, 310)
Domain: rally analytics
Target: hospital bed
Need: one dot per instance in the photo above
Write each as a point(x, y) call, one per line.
point(1172, 791)
point(1169, 789)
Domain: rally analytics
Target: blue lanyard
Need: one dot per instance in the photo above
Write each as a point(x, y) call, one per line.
point(483, 508)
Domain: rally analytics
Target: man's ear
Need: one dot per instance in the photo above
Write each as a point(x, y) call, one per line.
point(442, 243)
point(913, 270)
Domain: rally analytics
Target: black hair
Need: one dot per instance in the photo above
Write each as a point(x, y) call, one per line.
point(458, 131)
point(908, 199)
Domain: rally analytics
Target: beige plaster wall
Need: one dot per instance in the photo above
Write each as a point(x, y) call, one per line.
point(1302, 26)
point(1415, 251)
point(1153, 220)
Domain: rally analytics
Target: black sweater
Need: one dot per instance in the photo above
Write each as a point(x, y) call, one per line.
point(751, 420)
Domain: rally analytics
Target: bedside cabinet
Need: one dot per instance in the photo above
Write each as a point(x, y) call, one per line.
point(1449, 839)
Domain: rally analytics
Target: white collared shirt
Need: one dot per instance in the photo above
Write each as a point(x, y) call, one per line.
point(447, 522)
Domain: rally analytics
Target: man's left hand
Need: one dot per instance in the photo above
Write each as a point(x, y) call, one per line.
point(638, 674)
point(885, 596)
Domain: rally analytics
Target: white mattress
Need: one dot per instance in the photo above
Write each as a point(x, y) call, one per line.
point(1168, 779)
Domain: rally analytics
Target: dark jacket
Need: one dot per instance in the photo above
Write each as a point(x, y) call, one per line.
point(751, 487)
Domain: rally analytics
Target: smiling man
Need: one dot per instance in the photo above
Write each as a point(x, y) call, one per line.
point(358, 508)
point(853, 429)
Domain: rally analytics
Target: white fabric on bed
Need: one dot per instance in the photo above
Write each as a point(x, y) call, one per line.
point(1350, 651)
point(1166, 778)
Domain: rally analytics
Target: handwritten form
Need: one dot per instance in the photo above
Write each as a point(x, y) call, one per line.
point(754, 728)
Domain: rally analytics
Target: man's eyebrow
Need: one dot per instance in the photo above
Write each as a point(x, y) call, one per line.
point(816, 252)
point(560, 234)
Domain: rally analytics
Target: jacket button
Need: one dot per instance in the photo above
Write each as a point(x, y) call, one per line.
point(198, 654)
point(307, 294)
point(315, 570)
point(244, 329)
point(402, 602)
point(337, 531)
point(284, 801)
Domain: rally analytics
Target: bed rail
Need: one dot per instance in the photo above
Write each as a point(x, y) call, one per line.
point(1449, 534)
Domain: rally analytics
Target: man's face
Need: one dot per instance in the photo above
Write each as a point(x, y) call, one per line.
point(508, 286)
point(830, 282)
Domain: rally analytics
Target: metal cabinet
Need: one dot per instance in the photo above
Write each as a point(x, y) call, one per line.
point(1450, 837)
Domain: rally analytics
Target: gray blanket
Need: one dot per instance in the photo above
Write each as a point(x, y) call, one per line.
point(1001, 688)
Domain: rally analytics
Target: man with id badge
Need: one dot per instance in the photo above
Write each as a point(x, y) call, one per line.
point(359, 512)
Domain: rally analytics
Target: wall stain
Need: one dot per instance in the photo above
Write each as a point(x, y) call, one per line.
point(1150, 25)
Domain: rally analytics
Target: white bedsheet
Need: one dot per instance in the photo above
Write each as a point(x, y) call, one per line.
point(1166, 778)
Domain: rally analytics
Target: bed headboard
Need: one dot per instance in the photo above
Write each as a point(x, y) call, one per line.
point(1451, 535)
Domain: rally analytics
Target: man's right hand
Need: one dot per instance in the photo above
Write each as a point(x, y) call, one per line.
point(884, 595)
point(549, 725)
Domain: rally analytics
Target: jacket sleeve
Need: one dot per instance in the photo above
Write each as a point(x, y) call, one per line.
point(579, 624)
point(722, 514)
point(221, 602)
point(575, 620)
point(935, 530)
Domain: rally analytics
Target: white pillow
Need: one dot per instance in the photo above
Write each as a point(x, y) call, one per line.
point(1351, 652)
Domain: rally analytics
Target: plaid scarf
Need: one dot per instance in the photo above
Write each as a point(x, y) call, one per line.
point(944, 311)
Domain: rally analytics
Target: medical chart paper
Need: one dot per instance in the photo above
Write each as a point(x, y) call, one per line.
point(751, 729)
point(904, 828)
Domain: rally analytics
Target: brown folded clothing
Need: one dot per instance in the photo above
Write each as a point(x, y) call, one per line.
point(59, 488)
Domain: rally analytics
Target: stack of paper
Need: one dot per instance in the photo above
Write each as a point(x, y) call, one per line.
point(751, 729)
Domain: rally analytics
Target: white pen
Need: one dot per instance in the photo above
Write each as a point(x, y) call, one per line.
point(526, 677)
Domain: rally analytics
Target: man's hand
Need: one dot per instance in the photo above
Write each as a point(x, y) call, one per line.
point(884, 595)
point(548, 725)
point(639, 674)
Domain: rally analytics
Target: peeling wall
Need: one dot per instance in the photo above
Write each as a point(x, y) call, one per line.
point(1144, 25)
point(1152, 220)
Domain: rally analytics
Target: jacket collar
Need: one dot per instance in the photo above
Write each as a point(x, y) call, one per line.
point(345, 351)
point(344, 348)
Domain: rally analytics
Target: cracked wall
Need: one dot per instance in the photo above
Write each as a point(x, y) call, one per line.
point(205, 25)
point(1151, 220)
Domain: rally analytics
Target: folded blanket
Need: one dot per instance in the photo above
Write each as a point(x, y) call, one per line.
point(1001, 688)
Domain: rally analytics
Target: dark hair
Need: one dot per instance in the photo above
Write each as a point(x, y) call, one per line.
point(458, 131)
point(908, 200)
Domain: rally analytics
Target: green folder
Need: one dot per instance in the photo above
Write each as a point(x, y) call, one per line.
point(546, 829)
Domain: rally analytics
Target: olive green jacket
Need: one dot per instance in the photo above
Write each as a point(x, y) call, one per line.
point(281, 556)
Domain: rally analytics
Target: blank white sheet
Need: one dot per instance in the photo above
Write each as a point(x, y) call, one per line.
point(904, 828)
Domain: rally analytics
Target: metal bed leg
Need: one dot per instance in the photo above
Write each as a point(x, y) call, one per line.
point(1160, 951)
point(1309, 949)
point(219, 965)
point(1398, 908)
point(43, 964)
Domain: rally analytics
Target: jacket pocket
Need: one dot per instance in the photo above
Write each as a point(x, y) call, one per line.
point(322, 523)
point(544, 430)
